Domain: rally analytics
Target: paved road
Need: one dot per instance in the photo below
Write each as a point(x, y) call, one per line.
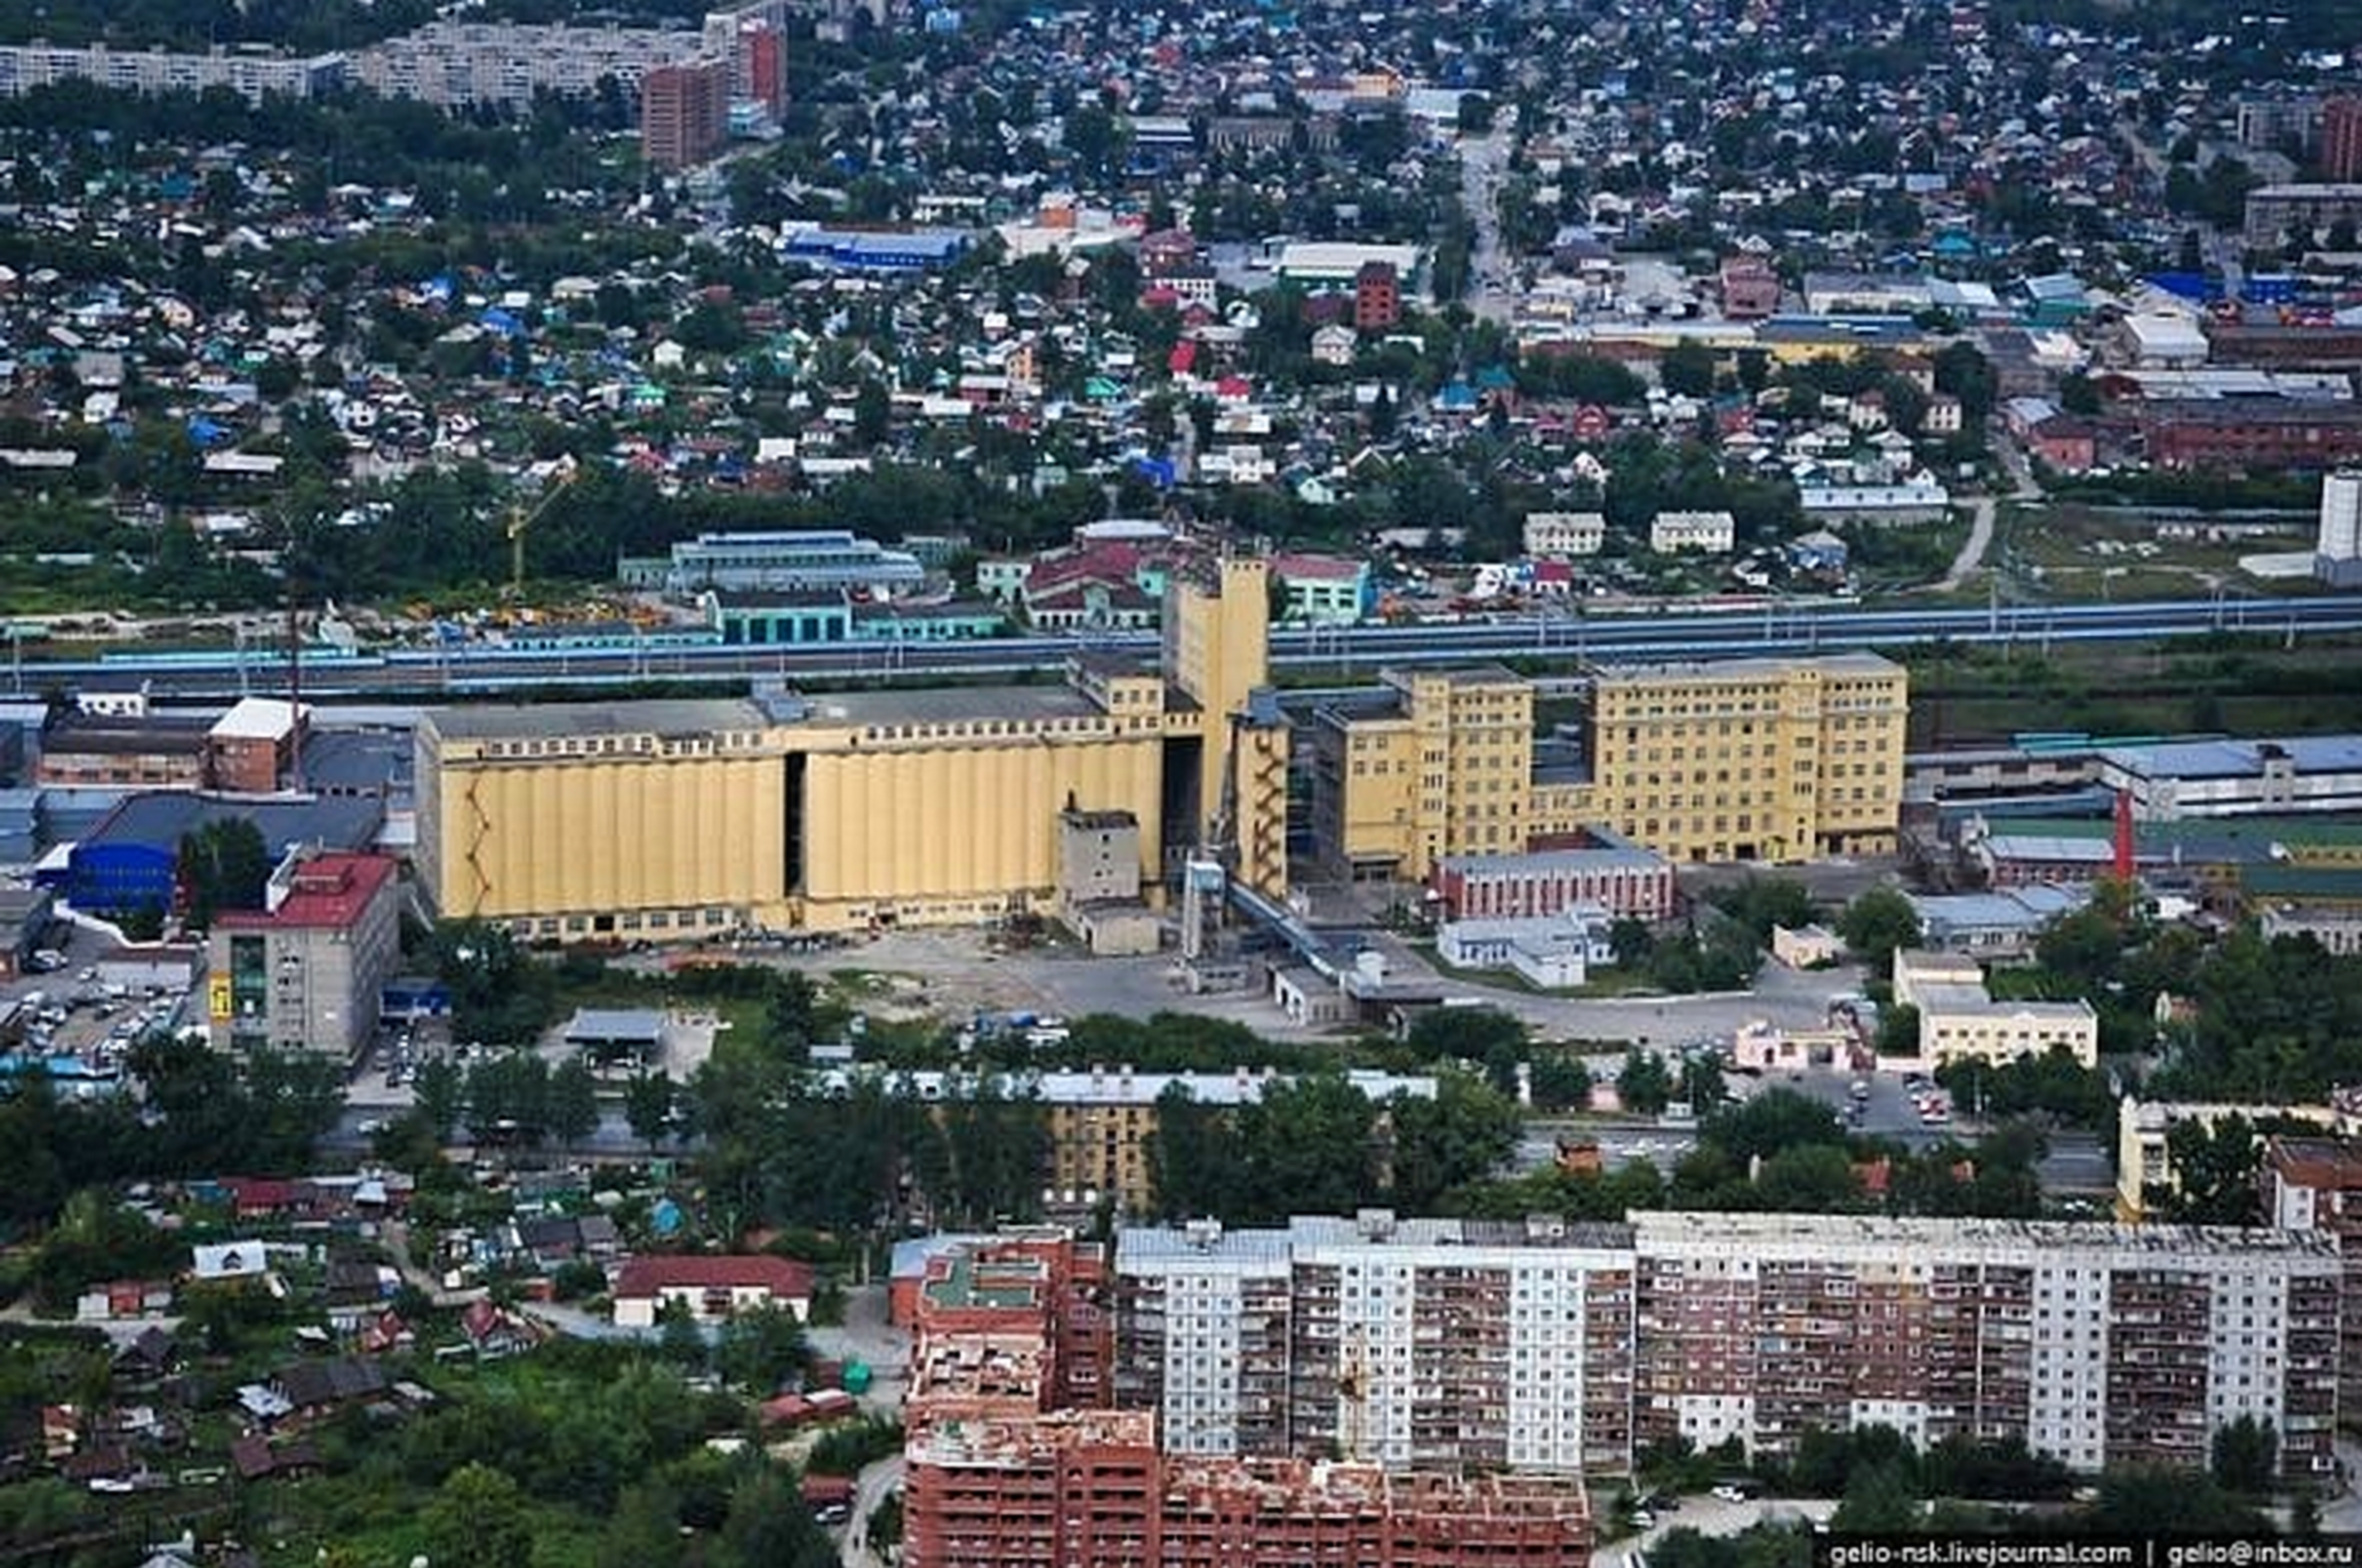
point(870, 1489)
point(2342, 1515)
point(1711, 1515)
point(1792, 999)
point(2022, 488)
point(1482, 163)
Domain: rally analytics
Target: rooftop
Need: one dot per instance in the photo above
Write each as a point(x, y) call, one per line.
point(952, 704)
point(163, 817)
point(257, 718)
point(1543, 862)
point(2237, 758)
point(604, 1026)
point(1869, 1230)
point(647, 1275)
point(537, 720)
point(963, 1279)
point(327, 892)
point(1848, 665)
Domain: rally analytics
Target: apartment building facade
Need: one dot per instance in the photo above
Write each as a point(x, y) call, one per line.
point(1084, 1488)
point(684, 112)
point(457, 65)
point(1558, 534)
point(252, 73)
point(1960, 1019)
point(1442, 766)
point(306, 973)
point(1434, 1342)
point(2314, 1185)
point(1712, 532)
point(1624, 878)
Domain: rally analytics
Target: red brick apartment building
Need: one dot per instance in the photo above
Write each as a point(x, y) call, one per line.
point(2251, 433)
point(1081, 1488)
point(1377, 297)
point(684, 113)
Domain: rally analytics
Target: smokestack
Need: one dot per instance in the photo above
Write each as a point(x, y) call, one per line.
point(2123, 843)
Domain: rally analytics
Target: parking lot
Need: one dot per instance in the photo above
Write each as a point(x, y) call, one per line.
point(69, 1007)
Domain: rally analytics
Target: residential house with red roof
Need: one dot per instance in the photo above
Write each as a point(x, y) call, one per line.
point(712, 1288)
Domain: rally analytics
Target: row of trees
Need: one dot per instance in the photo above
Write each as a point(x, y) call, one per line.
point(1319, 1145)
point(199, 1113)
point(1781, 1151)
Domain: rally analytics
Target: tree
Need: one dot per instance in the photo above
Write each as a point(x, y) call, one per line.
point(679, 1339)
point(1688, 370)
point(508, 1098)
point(1962, 370)
point(442, 1091)
point(1464, 1134)
point(1877, 922)
point(573, 1103)
point(1559, 1081)
point(645, 1530)
point(760, 1350)
point(1775, 1120)
point(1646, 1084)
point(649, 1108)
point(872, 414)
point(478, 1517)
point(223, 865)
point(1760, 903)
point(1701, 1083)
point(2154, 1502)
point(2078, 395)
point(1898, 1031)
point(2214, 1165)
point(1880, 1499)
point(1464, 1033)
point(1808, 1178)
point(769, 1526)
point(2244, 1453)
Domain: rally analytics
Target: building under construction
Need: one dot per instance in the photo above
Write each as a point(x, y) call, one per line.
point(1013, 1462)
point(1088, 1487)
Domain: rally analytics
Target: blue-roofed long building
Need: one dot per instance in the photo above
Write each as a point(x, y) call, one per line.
point(808, 560)
point(2238, 777)
point(873, 251)
point(2001, 924)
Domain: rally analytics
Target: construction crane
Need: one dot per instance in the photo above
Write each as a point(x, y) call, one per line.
point(523, 518)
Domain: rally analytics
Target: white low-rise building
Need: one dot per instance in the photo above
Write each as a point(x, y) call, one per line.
point(1554, 951)
point(1715, 533)
point(1551, 535)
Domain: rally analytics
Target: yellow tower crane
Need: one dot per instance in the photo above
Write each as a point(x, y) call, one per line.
point(523, 518)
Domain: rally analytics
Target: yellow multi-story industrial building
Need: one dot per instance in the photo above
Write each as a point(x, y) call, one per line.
point(584, 820)
point(1437, 762)
point(1751, 759)
point(1744, 759)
